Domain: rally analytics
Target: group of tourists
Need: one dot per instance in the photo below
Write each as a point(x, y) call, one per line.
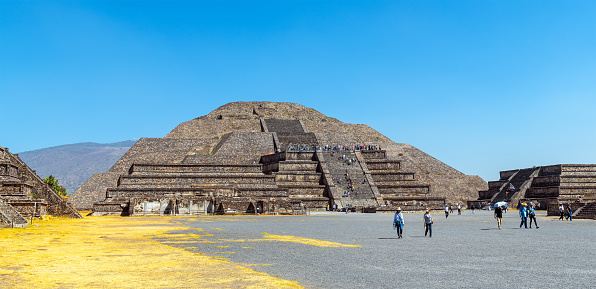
point(527, 213)
point(303, 148)
point(398, 223)
point(449, 209)
point(565, 212)
point(351, 148)
point(307, 147)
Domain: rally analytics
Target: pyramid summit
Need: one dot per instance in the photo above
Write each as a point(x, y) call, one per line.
point(272, 157)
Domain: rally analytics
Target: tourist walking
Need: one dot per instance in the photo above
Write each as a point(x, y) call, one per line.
point(428, 224)
point(446, 211)
point(499, 215)
point(569, 212)
point(561, 211)
point(523, 214)
point(398, 222)
point(459, 209)
point(532, 215)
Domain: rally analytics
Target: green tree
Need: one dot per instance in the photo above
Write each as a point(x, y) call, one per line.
point(50, 180)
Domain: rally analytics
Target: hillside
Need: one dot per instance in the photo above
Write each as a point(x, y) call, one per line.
point(73, 164)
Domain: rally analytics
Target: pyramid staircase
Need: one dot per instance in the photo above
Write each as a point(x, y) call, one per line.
point(588, 211)
point(396, 186)
point(344, 165)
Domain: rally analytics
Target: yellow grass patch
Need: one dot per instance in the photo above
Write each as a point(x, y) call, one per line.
point(306, 241)
point(115, 252)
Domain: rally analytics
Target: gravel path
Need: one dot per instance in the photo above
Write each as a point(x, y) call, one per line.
point(465, 251)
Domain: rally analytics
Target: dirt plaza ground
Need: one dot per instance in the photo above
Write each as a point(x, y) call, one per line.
point(324, 250)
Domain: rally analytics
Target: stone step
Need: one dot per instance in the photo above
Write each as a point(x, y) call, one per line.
point(194, 192)
point(388, 177)
point(383, 165)
point(303, 166)
point(488, 194)
point(299, 155)
point(194, 174)
point(564, 181)
point(388, 190)
point(496, 185)
point(196, 179)
point(185, 168)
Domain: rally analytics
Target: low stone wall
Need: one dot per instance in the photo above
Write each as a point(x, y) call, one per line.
point(27, 208)
point(412, 204)
point(110, 208)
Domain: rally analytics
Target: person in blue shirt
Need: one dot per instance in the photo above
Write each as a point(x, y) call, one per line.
point(523, 214)
point(398, 222)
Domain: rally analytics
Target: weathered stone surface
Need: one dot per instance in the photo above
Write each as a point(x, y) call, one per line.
point(548, 185)
point(24, 194)
point(250, 133)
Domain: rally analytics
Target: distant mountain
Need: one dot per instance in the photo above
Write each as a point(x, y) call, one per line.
point(73, 164)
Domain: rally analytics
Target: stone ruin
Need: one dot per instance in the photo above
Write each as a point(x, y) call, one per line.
point(550, 186)
point(24, 195)
point(271, 157)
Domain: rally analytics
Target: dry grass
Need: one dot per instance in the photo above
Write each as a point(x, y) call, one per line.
point(99, 252)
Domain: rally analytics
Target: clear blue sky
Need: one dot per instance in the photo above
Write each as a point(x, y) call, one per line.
point(481, 85)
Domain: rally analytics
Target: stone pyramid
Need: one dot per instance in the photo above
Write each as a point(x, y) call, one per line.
point(272, 157)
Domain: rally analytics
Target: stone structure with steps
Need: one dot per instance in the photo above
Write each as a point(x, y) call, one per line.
point(24, 195)
point(248, 157)
point(550, 186)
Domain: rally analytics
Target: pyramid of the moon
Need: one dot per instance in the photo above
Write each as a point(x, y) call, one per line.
point(24, 195)
point(272, 157)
